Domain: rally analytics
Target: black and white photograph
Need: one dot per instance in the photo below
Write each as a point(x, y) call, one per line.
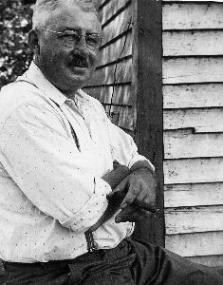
point(111, 142)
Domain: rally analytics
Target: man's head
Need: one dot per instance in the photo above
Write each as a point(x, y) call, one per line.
point(65, 39)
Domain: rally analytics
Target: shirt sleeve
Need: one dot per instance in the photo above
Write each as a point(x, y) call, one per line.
point(48, 168)
point(123, 147)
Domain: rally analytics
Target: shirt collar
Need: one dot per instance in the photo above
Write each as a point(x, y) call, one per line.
point(34, 75)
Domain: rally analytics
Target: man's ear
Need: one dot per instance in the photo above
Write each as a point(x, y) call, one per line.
point(34, 42)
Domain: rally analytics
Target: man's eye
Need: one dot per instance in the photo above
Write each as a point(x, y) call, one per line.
point(69, 37)
point(93, 39)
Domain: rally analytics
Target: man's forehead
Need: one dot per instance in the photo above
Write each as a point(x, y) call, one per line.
point(68, 15)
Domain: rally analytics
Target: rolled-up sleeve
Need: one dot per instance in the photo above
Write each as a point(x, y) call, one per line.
point(124, 148)
point(48, 168)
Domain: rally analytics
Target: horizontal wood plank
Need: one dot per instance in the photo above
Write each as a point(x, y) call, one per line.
point(111, 9)
point(192, 70)
point(120, 72)
point(193, 195)
point(117, 95)
point(118, 49)
point(119, 25)
point(190, 43)
point(194, 219)
point(193, 170)
point(193, 96)
point(198, 244)
point(212, 261)
point(184, 144)
point(201, 120)
point(194, 16)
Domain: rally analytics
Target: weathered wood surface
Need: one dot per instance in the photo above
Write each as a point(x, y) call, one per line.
point(184, 144)
point(201, 120)
point(211, 260)
point(116, 73)
point(193, 116)
point(192, 70)
point(112, 8)
point(193, 170)
point(196, 244)
point(182, 16)
point(120, 48)
point(182, 195)
point(190, 43)
point(119, 25)
point(147, 85)
point(192, 96)
point(117, 95)
point(194, 219)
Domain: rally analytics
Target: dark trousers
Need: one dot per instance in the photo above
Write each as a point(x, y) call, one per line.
point(129, 263)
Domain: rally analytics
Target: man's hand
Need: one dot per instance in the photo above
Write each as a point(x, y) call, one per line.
point(139, 190)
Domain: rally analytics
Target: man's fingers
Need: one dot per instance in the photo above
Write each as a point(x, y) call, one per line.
point(130, 196)
point(145, 206)
point(131, 214)
point(122, 187)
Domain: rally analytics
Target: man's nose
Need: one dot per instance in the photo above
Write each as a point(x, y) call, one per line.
point(81, 43)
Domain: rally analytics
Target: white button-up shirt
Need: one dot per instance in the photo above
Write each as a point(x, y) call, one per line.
point(51, 192)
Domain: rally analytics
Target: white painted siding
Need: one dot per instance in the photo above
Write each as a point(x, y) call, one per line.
point(193, 129)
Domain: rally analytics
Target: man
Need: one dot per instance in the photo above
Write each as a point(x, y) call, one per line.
point(60, 156)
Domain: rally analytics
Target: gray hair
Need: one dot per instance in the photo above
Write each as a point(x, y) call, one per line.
point(42, 7)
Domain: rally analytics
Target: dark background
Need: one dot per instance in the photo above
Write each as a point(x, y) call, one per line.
point(15, 22)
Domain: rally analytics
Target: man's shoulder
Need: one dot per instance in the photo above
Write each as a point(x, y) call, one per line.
point(15, 95)
point(17, 92)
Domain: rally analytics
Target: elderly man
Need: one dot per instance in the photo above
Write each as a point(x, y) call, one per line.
point(71, 182)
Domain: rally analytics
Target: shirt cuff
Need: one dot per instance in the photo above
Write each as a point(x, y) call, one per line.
point(92, 210)
point(138, 158)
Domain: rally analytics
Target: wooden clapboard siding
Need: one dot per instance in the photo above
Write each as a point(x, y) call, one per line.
point(111, 82)
point(112, 8)
point(192, 70)
point(183, 195)
point(119, 24)
point(119, 72)
point(192, 43)
point(201, 170)
point(193, 96)
point(122, 94)
point(201, 120)
point(192, 16)
point(199, 244)
point(194, 219)
point(193, 129)
point(184, 144)
point(122, 47)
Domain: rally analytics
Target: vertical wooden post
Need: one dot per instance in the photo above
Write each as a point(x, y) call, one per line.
point(147, 86)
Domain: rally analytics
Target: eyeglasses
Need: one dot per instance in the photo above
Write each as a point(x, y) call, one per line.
point(72, 37)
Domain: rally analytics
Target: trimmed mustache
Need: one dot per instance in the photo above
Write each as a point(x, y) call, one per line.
point(80, 60)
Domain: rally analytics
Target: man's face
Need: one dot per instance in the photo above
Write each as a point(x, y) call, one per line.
point(67, 60)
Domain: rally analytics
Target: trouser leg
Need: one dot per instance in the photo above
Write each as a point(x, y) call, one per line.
point(157, 266)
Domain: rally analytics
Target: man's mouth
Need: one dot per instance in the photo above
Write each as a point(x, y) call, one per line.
point(80, 61)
